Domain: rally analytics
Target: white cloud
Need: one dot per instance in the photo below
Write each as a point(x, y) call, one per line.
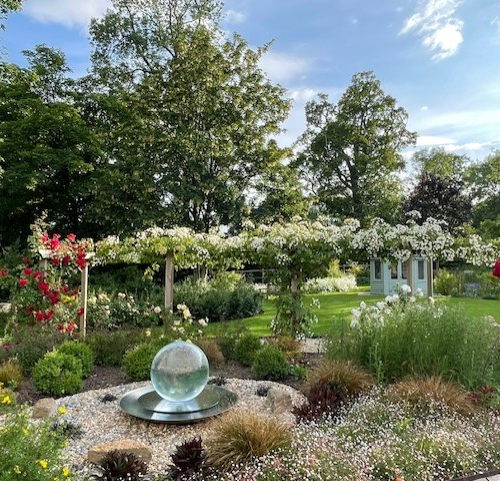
point(303, 95)
point(430, 140)
point(353, 20)
point(282, 67)
point(424, 108)
point(66, 12)
point(232, 16)
point(436, 23)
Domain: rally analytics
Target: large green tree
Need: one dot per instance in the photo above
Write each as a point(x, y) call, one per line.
point(46, 147)
point(192, 114)
point(438, 162)
point(7, 6)
point(352, 150)
point(484, 181)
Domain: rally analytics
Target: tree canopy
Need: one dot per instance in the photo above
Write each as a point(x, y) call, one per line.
point(352, 150)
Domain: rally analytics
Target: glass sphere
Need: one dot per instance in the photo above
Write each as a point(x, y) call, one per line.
point(179, 371)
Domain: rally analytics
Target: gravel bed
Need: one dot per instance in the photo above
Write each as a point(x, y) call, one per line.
point(104, 422)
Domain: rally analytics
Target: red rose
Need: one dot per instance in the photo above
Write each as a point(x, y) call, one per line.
point(3, 272)
point(23, 282)
point(80, 312)
point(65, 260)
point(39, 316)
point(28, 271)
point(26, 261)
point(54, 298)
point(45, 237)
point(71, 237)
point(30, 309)
point(38, 276)
point(55, 261)
point(44, 288)
point(54, 243)
point(496, 269)
point(6, 346)
point(48, 315)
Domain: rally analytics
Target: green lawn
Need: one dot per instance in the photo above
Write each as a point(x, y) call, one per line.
point(337, 307)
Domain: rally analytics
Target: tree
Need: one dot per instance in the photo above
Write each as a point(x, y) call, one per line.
point(352, 150)
point(441, 198)
point(441, 163)
point(7, 6)
point(484, 181)
point(196, 111)
point(47, 149)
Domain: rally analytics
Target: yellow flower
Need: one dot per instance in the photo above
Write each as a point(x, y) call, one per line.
point(6, 400)
point(65, 471)
point(62, 410)
point(25, 431)
point(17, 469)
point(43, 463)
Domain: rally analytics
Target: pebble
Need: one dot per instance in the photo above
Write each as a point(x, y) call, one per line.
point(104, 422)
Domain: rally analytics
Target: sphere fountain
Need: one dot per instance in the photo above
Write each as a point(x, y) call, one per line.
point(179, 393)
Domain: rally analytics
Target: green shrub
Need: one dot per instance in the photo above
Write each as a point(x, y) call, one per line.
point(58, 374)
point(31, 343)
point(219, 300)
point(81, 351)
point(137, 362)
point(445, 283)
point(109, 347)
point(246, 348)
point(31, 451)
point(271, 363)
point(418, 339)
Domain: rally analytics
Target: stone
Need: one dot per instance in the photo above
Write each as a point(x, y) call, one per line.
point(278, 400)
point(97, 452)
point(45, 408)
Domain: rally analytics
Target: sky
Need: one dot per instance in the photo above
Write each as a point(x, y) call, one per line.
point(439, 58)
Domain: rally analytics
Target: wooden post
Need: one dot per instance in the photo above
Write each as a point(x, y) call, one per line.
point(83, 300)
point(409, 274)
point(169, 283)
point(430, 278)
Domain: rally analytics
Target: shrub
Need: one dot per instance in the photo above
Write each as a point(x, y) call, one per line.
point(57, 374)
point(81, 351)
point(11, 373)
point(212, 350)
point(119, 466)
point(189, 458)
point(397, 339)
point(347, 378)
point(246, 348)
point(31, 343)
point(290, 346)
point(241, 436)
point(343, 283)
point(30, 451)
point(110, 347)
point(271, 363)
point(137, 362)
point(445, 283)
point(428, 392)
point(219, 301)
point(323, 398)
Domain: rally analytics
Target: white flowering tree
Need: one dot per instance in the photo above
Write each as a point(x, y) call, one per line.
point(176, 248)
point(292, 253)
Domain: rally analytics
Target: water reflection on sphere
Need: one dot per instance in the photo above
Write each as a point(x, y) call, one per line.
point(179, 371)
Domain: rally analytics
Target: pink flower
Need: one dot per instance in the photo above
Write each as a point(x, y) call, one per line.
point(71, 237)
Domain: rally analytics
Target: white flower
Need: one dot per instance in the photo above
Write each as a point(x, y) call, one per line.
point(157, 310)
point(354, 323)
point(186, 314)
point(203, 322)
point(419, 292)
point(121, 295)
point(405, 289)
point(431, 301)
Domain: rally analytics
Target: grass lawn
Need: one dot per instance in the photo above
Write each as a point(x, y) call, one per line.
point(336, 307)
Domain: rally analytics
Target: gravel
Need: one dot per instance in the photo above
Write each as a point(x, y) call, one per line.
point(102, 421)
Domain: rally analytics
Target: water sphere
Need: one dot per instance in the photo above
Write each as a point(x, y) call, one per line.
point(179, 371)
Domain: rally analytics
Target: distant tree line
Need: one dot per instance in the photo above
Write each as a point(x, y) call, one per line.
point(174, 124)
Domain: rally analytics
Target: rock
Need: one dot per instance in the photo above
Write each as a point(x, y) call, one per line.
point(278, 400)
point(45, 408)
point(97, 452)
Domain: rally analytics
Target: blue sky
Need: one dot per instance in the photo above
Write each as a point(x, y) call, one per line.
point(439, 58)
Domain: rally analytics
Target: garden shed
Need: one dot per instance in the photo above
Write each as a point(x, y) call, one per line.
point(386, 276)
